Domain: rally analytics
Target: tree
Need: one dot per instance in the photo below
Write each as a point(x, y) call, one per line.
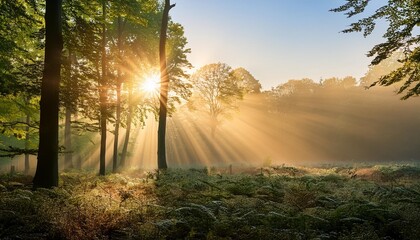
point(215, 90)
point(144, 52)
point(129, 21)
point(287, 96)
point(249, 83)
point(47, 168)
point(80, 73)
point(336, 82)
point(375, 72)
point(103, 91)
point(403, 17)
point(164, 87)
point(19, 121)
point(21, 31)
point(297, 87)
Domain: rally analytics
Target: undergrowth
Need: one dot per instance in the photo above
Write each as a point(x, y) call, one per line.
point(379, 202)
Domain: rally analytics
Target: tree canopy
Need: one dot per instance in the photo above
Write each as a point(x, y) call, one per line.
point(216, 91)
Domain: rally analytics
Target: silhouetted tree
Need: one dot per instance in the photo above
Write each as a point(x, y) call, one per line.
point(164, 87)
point(103, 91)
point(403, 17)
point(47, 168)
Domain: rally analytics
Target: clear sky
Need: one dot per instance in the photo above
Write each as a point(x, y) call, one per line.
point(276, 40)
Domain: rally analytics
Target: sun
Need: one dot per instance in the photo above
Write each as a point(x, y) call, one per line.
point(151, 84)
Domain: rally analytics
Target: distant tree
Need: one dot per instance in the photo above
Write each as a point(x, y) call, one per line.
point(403, 17)
point(336, 82)
point(385, 67)
point(47, 168)
point(287, 96)
point(216, 91)
point(297, 87)
point(348, 82)
point(249, 83)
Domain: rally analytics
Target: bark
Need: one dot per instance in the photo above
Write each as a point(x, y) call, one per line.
point(127, 133)
point(27, 167)
point(103, 95)
point(68, 156)
point(117, 130)
point(118, 103)
point(164, 86)
point(46, 174)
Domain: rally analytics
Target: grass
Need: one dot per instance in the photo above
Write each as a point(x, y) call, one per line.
point(377, 202)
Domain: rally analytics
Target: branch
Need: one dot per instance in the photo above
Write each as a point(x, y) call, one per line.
point(13, 151)
point(14, 123)
point(90, 127)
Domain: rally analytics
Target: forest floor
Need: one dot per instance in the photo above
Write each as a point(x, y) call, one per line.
point(372, 202)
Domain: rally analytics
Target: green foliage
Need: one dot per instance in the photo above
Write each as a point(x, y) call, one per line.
point(403, 18)
point(15, 130)
point(20, 53)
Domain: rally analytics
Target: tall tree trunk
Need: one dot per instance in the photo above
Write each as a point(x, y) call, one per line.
point(77, 157)
point(117, 129)
point(27, 167)
point(164, 85)
point(68, 156)
point(118, 103)
point(128, 130)
point(46, 174)
point(103, 94)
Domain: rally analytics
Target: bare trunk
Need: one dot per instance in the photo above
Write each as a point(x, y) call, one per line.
point(103, 95)
point(117, 129)
point(118, 103)
point(46, 174)
point(27, 167)
point(68, 156)
point(127, 136)
point(164, 87)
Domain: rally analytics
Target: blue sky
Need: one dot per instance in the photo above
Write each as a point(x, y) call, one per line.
point(276, 40)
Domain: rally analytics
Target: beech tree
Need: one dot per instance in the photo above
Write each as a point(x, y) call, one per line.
point(403, 16)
